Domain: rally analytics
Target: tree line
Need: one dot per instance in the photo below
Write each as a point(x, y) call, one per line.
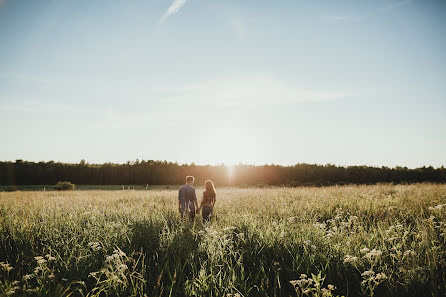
point(167, 173)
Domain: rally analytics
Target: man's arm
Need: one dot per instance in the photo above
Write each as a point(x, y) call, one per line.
point(195, 200)
point(179, 200)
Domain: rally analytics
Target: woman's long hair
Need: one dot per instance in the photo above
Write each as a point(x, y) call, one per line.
point(209, 186)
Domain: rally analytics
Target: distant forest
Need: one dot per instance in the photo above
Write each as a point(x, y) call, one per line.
point(166, 173)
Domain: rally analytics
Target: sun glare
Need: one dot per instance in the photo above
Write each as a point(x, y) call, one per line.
point(230, 172)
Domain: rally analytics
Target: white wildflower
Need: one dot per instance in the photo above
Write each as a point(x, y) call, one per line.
point(350, 259)
point(41, 261)
point(365, 250)
point(368, 273)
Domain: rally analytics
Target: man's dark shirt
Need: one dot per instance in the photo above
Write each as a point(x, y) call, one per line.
point(186, 198)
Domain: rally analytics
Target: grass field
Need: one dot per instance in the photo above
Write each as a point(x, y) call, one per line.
point(380, 240)
point(88, 187)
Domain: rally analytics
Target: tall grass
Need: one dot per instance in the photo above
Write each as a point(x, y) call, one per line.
point(355, 241)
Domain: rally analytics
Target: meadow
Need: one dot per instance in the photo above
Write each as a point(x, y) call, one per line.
point(382, 240)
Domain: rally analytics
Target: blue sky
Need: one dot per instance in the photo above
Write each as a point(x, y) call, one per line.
point(343, 82)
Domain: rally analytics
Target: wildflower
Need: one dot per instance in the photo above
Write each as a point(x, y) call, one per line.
point(381, 276)
point(50, 258)
point(319, 225)
point(303, 276)
point(331, 287)
point(391, 228)
point(27, 277)
point(368, 273)
point(373, 254)
point(5, 266)
point(302, 282)
point(96, 246)
point(409, 253)
point(350, 259)
point(119, 253)
point(364, 250)
point(294, 282)
point(92, 274)
point(41, 261)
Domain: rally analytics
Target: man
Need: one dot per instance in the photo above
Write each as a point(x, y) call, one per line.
point(187, 199)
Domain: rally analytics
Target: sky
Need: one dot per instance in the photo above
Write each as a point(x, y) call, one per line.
point(255, 82)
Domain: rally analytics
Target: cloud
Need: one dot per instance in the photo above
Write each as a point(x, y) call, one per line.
point(343, 18)
point(239, 29)
point(40, 107)
point(248, 90)
point(173, 9)
point(398, 4)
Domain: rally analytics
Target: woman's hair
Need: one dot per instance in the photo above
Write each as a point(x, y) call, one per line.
point(209, 187)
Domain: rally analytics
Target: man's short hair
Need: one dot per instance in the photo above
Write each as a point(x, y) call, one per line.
point(190, 179)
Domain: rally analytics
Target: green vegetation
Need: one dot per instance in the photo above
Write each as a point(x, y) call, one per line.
point(64, 186)
point(166, 173)
point(381, 240)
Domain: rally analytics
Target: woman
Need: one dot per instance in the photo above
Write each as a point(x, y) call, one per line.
point(208, 201)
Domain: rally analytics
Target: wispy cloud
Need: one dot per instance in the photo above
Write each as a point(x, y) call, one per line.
point(173, 9)
point(343, 18)
point(39, 107)
point(249, 90)
point(397, 4)
point(241, 27)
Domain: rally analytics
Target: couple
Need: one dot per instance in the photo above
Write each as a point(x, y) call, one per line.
point(187, 200)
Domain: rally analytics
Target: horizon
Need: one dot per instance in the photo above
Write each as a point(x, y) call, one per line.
point(208, 82)
point(132, 162)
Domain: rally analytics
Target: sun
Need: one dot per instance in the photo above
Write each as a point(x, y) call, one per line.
point(230, 172)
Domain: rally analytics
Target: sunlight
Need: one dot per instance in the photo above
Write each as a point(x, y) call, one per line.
point(230, 172)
